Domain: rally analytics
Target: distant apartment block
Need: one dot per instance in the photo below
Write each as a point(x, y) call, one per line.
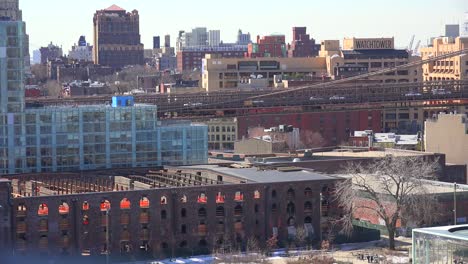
point(190, 58)
point(214, 37)
point(50, 53)
point(242, 38)
point(81, 51)
point(268, 46)
point(302, 44)
point(117, 38)
point(222, 133)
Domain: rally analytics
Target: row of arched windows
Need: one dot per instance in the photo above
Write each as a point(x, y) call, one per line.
point(144, 202)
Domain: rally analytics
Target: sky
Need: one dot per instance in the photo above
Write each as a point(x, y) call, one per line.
point(63, 21)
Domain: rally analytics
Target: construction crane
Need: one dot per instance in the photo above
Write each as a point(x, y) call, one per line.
point(410, 46)
point(416, 49)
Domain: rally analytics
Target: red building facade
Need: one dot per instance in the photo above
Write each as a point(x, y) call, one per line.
point(321, 129)
point(268, 46)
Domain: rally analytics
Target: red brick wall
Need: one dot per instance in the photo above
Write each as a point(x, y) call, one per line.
point(332, 126)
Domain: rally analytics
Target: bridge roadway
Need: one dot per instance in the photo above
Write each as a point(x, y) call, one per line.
point(338, 97)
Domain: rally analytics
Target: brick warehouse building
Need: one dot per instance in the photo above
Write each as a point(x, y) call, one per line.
point(160, 212)
point(333, 127)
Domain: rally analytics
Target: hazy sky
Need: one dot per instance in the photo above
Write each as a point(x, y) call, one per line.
point(63, 21)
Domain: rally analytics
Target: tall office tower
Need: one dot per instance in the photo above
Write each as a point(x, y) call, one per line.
point(199, 37)
point(452, 31)
point(156, 42)
point(243, 39)
point(167, 41)
point(13, 56)
point(117, 38)
point(9, 10)
point(465, 26)
point(214, 38)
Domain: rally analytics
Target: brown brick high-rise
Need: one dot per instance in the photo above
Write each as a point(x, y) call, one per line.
point(117, 38)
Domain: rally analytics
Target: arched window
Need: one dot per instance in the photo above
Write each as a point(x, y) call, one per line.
point(202, 199)
point(238, 196)
point(256, 194)
point(238, 210)
point(273, 208)
point(291, 221)
point(220, 211)
point(291, 194)
point(219, 198)
point(85, 220)
point(85, 206)
point(105, 206)
point(183, 229)
point(291, 208)
point(183, 244)
point(308, 220)
point(125, 204)
point(163, 200)
point(64, 209)
point(308, 207)
point(144, 202)
point(256, 208)
point(273, 194)
point(202, 212)
point(308, 192)
point(202, 243)
point(43, 210)
point(183, 199)
point(163, 214)
point(21, 208)
point(183, 212)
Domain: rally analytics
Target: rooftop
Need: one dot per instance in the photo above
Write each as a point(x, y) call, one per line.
point(114, 8)
point(265, 174)
point(459, 232)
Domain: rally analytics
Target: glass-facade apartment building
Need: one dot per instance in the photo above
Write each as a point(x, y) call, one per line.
point(440, 245)
point(51, 139)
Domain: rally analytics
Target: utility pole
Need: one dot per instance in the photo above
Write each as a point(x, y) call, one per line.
point(107, 235)
point(455, 203)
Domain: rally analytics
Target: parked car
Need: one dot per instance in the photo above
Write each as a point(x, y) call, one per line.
point(440, 91)
point(313, 98)
point(412, 94)
point(337, 97)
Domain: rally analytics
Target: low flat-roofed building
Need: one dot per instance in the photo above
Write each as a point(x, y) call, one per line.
point(230, 73)
point(362, 55)
point(441, 244)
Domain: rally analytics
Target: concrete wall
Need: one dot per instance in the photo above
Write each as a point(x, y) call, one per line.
point(448, 134)
point(253, 146)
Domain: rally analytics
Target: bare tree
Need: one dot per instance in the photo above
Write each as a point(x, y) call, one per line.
point(393, 188)
point(53, 88)
point(40, 72)
point(253, 245)
point(311, 139)
point(301, 236)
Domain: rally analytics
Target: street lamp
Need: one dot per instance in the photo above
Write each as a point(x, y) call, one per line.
point(455, 203)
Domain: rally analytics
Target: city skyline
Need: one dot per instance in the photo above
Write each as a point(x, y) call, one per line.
point(424, 19)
